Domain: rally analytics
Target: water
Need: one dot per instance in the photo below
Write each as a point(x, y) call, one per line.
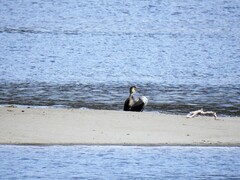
point(183, 55)
point(115, 162)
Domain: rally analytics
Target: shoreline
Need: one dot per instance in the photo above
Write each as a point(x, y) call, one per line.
point(56, 126)
point(125, 145)
point(118, 110)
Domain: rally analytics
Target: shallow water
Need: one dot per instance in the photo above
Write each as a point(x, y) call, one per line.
point(183, 55)
point(119, 162)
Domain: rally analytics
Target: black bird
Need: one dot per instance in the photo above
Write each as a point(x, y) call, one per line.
point(135, 105)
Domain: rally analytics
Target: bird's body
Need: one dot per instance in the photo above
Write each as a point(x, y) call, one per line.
point(135, 105)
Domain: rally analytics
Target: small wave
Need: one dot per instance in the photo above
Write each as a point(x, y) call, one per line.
point(109, 32)
point(22, 30)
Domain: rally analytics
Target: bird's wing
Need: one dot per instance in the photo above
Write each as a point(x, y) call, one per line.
point(138, 106)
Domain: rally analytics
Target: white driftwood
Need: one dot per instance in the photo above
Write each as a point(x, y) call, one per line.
point(201, 112)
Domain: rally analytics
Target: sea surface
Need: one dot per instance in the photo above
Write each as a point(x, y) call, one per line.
point(119, 162)
point(181, 54)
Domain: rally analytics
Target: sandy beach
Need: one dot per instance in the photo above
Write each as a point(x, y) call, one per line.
point(49, 126)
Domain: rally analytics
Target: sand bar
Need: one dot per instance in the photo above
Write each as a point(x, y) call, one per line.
point(48, 126)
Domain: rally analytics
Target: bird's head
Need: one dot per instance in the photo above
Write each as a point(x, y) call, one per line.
point(133, 89)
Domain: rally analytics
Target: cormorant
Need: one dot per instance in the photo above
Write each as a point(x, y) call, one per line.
point(135, 105)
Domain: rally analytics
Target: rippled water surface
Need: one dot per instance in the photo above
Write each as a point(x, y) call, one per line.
point(182, 55)
point(115, 162)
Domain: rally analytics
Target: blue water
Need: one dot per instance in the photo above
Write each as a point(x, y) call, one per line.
point(183, 55)
point(119, 162)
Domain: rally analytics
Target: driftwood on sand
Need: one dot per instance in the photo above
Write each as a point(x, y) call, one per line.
point(201, 112)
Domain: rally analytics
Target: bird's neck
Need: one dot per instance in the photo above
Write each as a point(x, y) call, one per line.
point(131, 99)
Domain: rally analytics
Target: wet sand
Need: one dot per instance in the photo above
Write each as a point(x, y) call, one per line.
point(48, 126)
